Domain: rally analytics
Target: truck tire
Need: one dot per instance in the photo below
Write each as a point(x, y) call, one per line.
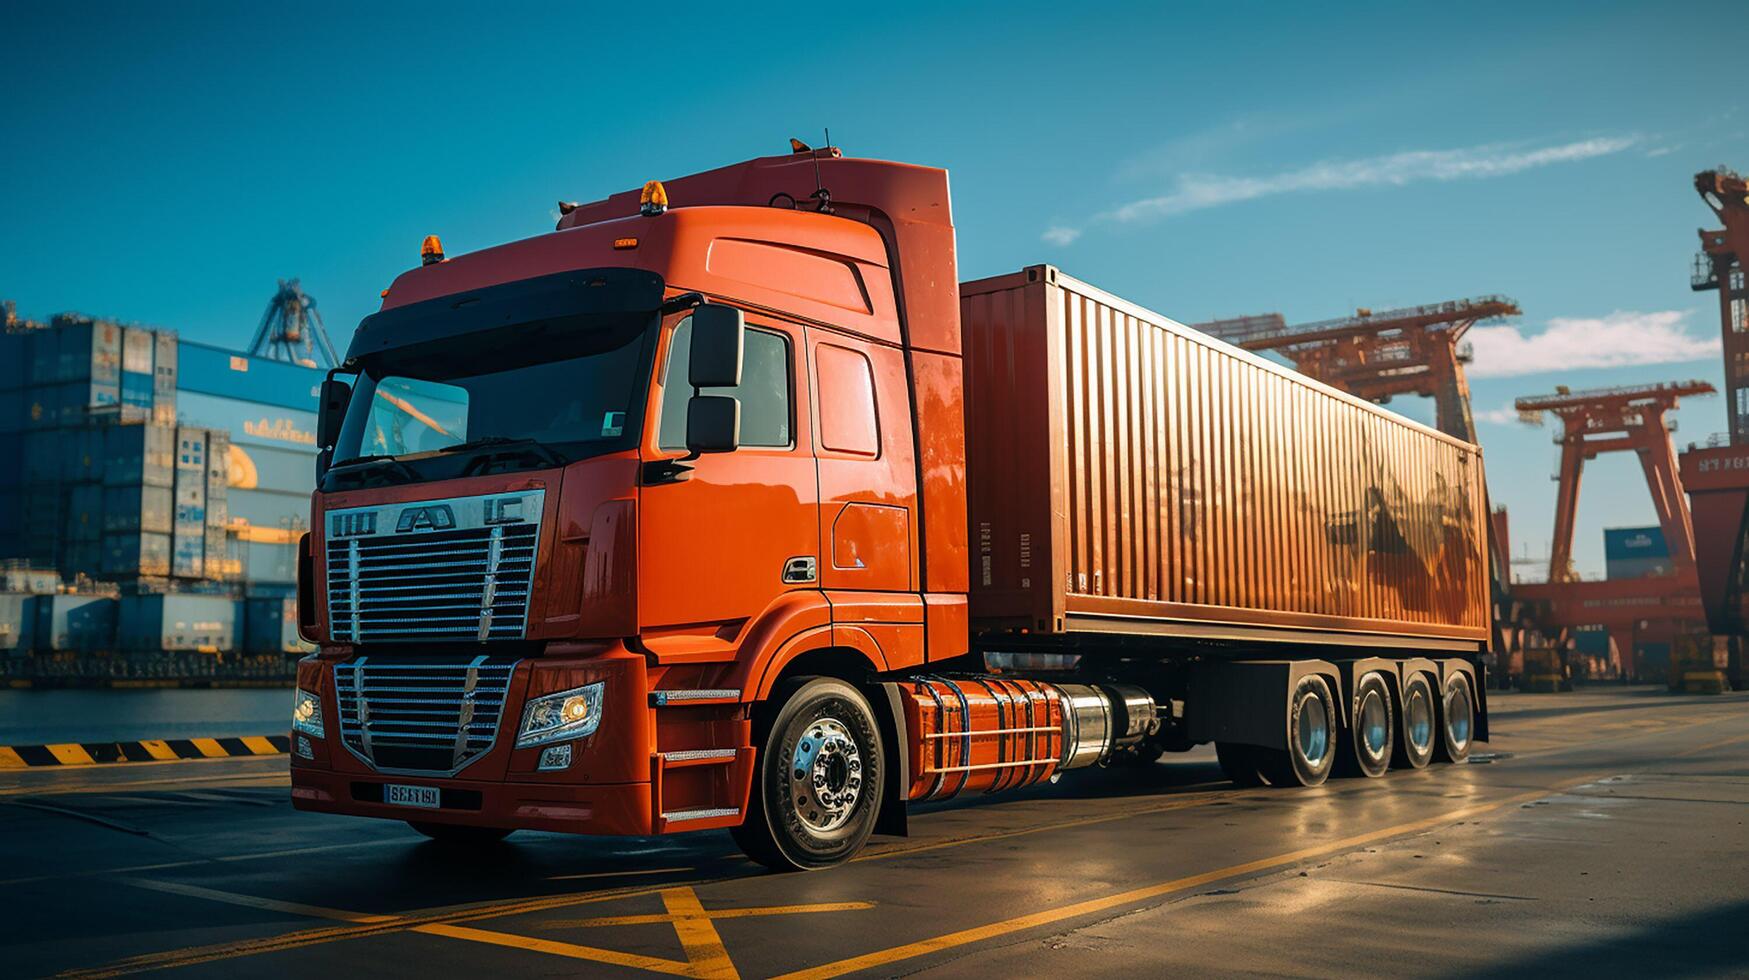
point(452, 833)
point(1457, 718)
point(1419, 731)
point(1239, 763)
point(1372, 729)
point(1311, 738)
point(817, 785)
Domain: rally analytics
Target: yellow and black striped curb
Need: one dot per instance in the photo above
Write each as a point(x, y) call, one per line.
point(148, 750)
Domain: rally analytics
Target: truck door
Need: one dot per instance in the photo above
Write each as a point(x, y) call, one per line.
point(714, 548)
point(868, 493)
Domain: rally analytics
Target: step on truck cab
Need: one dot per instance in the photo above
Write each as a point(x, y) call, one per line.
point(725, 505)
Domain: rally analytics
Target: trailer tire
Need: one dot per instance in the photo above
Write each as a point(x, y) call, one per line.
point(1239, 763)
point(1369, 743)
point(454, 833)
point(824, 729)
point(1311, 738)
point(1457, 718)
point(1418, 731)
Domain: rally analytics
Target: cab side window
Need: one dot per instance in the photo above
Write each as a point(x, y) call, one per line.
point(764, 390)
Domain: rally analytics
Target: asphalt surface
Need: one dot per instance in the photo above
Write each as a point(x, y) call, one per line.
point(1602, 833)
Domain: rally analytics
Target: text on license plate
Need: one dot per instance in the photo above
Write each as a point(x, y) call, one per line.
point(425, 796)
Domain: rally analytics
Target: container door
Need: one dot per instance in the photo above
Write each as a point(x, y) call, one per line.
point(720, 547)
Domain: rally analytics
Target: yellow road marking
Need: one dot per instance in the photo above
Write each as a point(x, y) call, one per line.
point(10, 759)
point(617, 874)
point(259, 745)
point(704, 948)
point(742, 913)
point(571, 950)
point(210, 748)
point(159, 750)
point(254, 902)
point(71, 754)
point(1135, 895)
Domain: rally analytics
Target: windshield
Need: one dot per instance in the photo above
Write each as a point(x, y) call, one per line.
point(518, 396)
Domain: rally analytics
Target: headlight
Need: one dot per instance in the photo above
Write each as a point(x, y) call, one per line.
point(558, 717)
point(307, 714)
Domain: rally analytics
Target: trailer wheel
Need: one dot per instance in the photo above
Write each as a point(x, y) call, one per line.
point(451, 833)
point(1371, 735)
point(1239, 763)
point(1457, 719)
point(817, 786)
point(1311, 738)
point(1419, 730)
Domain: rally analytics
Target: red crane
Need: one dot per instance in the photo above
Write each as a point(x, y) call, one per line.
point(1630, 418)
point(1416, 350)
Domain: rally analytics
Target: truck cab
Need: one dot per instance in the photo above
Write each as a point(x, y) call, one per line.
point(606, 487)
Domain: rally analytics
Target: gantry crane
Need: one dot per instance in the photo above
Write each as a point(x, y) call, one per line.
point(1416, 350)
point(291, 330)
point(1717, 476)
point(1630, 418)
point(1719, 266)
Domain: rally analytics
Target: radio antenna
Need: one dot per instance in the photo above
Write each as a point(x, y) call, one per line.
point(821, 194)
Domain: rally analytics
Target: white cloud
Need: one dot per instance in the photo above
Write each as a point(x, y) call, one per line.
point(1060, 235)
point(1504, 415)
point(1621, 339)
point(1198, 191)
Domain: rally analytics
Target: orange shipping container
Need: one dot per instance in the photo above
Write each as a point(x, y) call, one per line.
point(1128, 474)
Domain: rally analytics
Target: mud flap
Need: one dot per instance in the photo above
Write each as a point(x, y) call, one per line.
point(1246, 701)
point(888, 703)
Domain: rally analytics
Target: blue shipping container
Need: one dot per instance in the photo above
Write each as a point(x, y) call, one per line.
point(181, 623)
point(81, 451)
point(81, 623)
point(227, 374)
point(1636, 552)
point(14, 416)
point(271, 626)
point(263, 468)
point(139, 454)
point(134, 554)
point(138, 509)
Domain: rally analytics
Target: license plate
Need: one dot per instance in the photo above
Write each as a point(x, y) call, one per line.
point(422, 796)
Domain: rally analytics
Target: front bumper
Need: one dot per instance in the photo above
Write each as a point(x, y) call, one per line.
point(640, 773)
point(617, 808)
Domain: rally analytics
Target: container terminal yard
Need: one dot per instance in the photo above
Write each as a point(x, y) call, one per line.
point(766, 564)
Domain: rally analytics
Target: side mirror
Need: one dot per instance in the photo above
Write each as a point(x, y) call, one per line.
point(718, 337)
point(713, 423)
point(335, 396)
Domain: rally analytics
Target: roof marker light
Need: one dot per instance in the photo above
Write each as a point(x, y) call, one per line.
point(623, 243)
point(654, 199)
point(431, 251)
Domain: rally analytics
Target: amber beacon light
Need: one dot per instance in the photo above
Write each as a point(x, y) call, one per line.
point(431, 250)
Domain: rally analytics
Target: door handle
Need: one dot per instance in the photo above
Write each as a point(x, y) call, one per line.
point(800, 570)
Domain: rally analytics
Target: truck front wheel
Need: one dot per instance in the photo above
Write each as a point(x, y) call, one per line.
point(817, 788)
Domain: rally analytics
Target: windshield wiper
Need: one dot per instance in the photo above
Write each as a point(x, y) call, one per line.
point(534, 447)
point(360, 464)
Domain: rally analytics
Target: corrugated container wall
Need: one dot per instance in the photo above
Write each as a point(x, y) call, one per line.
point(186, 623)
point(1130, 475)
point(67, 622)
point(270, 625)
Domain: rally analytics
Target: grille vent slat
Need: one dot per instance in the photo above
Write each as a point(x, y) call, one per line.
point(406, 715)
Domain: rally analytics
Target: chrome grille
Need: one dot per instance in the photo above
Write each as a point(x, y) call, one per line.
point(447, 570)
point(429, 715)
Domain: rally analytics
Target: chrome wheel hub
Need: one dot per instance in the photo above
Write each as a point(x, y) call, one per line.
point(1314, 731)
point(1373, 734)
point(1458, 715)
point(1420, 720)
point(826, 775)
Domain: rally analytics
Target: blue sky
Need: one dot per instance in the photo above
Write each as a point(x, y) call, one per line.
point(166, 163)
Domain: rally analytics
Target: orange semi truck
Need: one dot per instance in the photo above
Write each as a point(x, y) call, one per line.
point(725, 505)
